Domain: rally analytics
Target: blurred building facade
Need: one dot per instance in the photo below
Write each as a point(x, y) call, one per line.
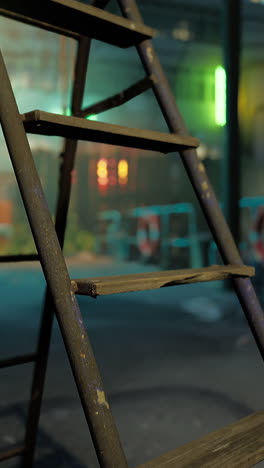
point(189, 44)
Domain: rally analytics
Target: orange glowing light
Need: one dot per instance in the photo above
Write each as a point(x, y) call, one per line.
point(122, 169)
point(102, 173)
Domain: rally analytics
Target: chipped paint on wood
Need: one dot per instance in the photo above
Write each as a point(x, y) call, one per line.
point(221, 447)
point(73, 287)
point(201, 167)
point(101, 398)
point(72, 295)
point(150, 54)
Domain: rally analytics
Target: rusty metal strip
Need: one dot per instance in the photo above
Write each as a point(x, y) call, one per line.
point(198, 177)
point(118, 99)
point(14, 361)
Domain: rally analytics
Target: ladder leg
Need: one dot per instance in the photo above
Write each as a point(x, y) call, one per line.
point(197, 174)
point(68, 157)
point(88, 380)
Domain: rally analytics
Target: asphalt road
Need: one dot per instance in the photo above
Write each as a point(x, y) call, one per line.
point(177, 364)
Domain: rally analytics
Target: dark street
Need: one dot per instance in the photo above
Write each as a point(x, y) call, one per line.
point(132, 136)
point(171, 375)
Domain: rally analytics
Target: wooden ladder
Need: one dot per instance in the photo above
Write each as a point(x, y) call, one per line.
point(239, 444)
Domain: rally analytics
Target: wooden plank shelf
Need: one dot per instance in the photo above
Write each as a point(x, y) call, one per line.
point(73, 18)
point(238, 445)
point(144, 281)
point(45, 123)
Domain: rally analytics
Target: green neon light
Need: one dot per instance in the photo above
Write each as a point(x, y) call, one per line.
point(91, 117)
point(220, 96)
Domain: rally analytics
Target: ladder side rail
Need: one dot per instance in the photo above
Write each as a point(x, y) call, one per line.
point(95, 405)
point(63, 199)
point(198, 177)
point(62, 208)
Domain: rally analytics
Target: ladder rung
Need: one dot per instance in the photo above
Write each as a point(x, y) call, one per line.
point(19, 258)
point(118, 99)
point(73, 18)
point(14, 361)
point(14, 452)
point(240, 444)
point(154, 280)
point(45, 123)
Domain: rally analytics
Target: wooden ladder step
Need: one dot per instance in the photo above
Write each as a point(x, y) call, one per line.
point(73, 18)
point(240, 445)
point(45, 123)
point(143, 281)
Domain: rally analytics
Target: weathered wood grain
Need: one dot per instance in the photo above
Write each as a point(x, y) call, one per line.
point(45, 123)
point(240, 445)
point(154, 280)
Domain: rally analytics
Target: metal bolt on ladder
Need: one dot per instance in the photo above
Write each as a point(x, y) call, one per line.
point(239, 444)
